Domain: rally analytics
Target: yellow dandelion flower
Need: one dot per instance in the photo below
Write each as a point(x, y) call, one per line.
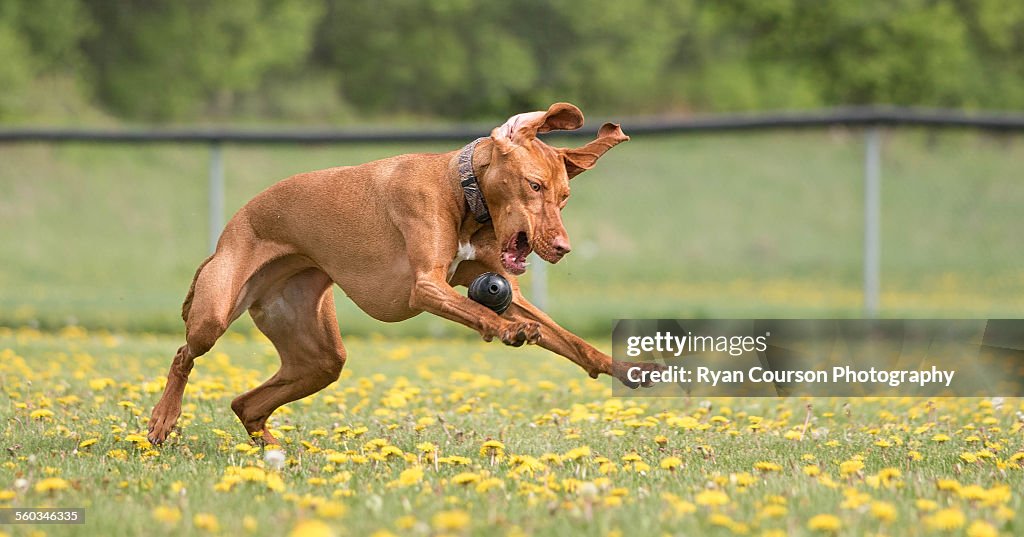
point(712, 498)
point(945, 519)
point(167, 515)
point(773, 511)
point(275, 483)
point(86, 443)
point(824, 523)
point(331, 509)
point(391, 451)
point(101, 384)
point(492, 447)
point(940, 438)
point(812, 470)
point(465, 478)
point(948, 484)
point(766, 466)
point(454, 520)
point(884, 511)
point(488, 484)
point(631, 457)
point(671, 463)
point(850, 467)
point(410, 476)
point(980, 528)
point(42, 413)
point(577, 453)
point(968, 457)
point(661, 440)
point(926, 505)
point(914, 455)
point(718, 519)
point(206, 522)
point(998, 494)
point(973, 493)
point(526, 464)
point(641, 467)
point(405, 522)
point(311, 528)
point(743, 479)
point(52, 484)
point(6, 495)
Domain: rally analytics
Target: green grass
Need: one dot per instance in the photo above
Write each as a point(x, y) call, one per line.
point(60, 390)
point(729, 225)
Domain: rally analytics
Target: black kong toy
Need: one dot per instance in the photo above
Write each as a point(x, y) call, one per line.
point(491, 290)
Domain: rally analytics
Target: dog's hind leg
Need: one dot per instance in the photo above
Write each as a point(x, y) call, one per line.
point(214, 301)
point(298, 316)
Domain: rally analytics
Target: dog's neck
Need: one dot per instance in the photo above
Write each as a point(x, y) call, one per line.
point(470, 163)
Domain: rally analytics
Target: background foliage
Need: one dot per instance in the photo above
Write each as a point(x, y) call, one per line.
point(321, 60)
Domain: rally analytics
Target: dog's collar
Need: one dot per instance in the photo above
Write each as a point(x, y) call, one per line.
point(470, 185)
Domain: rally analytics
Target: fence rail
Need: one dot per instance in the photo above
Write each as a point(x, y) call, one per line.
point(849, 117)
point(871, 119)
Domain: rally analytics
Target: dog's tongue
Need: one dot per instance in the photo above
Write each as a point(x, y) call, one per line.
point(513, 263)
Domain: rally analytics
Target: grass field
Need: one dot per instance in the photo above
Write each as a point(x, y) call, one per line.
point(453, 437)
point(765, 225)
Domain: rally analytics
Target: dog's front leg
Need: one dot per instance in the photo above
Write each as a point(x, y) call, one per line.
point(433, 294)
point(561, 341)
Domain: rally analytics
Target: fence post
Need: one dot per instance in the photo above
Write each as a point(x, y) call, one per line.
point(538, 282)
point(216, 193)
point(872, 219)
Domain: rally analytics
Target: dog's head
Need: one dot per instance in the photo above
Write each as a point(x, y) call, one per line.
point(526, 184)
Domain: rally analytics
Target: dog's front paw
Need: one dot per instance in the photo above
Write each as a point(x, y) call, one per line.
point(516, 334)
point(636, 374)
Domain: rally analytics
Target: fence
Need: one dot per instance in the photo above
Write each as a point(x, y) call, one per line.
point(871, 119)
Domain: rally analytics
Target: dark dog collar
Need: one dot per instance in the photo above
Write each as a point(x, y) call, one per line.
point(470, 186)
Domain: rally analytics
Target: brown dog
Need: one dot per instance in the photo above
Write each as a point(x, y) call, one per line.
point(395, 235)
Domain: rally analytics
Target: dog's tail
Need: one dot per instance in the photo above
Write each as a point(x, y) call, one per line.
point(187, 305)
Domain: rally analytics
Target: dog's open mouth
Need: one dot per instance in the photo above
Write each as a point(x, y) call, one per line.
point(513, 256)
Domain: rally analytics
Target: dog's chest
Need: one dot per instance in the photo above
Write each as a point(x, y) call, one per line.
point(466, 252)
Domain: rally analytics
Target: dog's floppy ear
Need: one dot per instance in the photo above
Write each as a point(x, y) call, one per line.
point(521, 128)
point(583, 158)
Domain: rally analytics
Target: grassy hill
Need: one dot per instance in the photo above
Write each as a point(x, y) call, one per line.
point(764, 225)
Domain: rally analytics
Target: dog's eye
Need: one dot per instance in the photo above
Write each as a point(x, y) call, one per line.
point(534, 186)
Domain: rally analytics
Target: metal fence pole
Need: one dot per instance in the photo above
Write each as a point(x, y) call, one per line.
point(872, 219)
point(539, 282)
point(216, 193)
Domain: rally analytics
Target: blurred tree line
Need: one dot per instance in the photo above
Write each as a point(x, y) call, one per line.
point(332, 60)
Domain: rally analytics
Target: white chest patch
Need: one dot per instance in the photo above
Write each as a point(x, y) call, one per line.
point(466, 253)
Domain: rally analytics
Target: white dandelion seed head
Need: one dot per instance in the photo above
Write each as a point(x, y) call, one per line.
point(274, 458)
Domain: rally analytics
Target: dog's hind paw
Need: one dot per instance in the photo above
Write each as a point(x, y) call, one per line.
point(160, 426)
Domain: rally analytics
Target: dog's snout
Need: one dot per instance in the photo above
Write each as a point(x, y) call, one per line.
point(561, 246)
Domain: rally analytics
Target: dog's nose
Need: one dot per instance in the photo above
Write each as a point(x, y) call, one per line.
point(561, 246)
